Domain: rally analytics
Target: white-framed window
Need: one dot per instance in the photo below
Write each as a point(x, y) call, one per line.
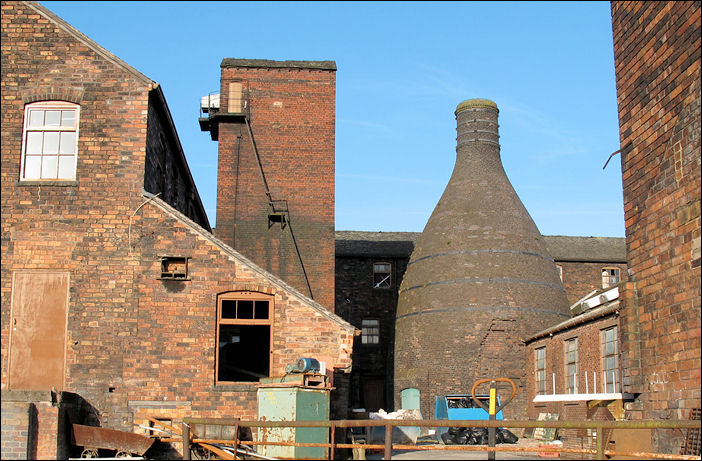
point(571, 364)
point(540, 370)
point(610, 277)
point(382, 273)
point(50, 141)
point(370, 331)
point(610, 362)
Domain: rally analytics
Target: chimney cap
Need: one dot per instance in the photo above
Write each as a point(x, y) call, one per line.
point(475, 103)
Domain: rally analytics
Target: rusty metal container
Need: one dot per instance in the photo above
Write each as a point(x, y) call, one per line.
point(479, 279)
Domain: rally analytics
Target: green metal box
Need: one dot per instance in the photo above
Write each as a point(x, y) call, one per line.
point(293, 403)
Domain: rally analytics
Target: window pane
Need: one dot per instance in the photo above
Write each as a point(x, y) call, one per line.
point(244, 310)
point(51, 142)
point(32, 167)
point(53, 118)
point(68, 118)
point(68, 142)
point(34, 142)
point(261, 309)
point(228, 309)
point(49, 166)
point(66, 169)
point(36, 118)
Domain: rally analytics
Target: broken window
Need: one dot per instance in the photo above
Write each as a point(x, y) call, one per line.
point(244, 322)
point(610, 277)
point(540, 371)
point(571, 362)
point(370, 331)
point(174, 268)
point(610, 366)
point(381, 275)
point(50, 141)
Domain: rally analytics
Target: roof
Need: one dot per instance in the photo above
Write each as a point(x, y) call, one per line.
point(604, 310)
point(375, 244)
point(401, 244)
point(66, 27)
point(238, 257)
point(268, 63)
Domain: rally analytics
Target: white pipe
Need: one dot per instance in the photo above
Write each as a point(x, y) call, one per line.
point(575, 383)
point(554, 383)
point(587, 390)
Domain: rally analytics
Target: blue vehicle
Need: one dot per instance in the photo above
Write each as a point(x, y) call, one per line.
point(461, 406)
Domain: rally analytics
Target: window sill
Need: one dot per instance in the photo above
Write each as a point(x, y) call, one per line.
point(52, 182)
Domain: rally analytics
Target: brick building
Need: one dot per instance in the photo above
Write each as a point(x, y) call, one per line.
point(113, 287)
point(573, 367)
point(370, 266)
point(657, 65)
point(275, 124)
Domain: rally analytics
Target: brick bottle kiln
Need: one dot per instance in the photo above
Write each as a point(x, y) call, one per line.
point(479, 280)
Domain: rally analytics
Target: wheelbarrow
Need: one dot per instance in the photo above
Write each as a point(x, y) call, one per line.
point(93, 439)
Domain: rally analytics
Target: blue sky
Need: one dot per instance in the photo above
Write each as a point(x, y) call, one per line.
point(403, 67)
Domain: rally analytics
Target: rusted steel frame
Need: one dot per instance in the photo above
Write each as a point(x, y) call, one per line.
point(681, 424)
point(186, 441)
point(639, 454)
point(388, 441)
point(102, 437)
point(600, 442)
point(331, 449)
point(221, 453)
point(236, 437)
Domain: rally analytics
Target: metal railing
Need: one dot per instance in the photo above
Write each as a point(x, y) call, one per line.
point(600, 452)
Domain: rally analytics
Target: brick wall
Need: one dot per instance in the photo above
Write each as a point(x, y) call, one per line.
point(357, 299)
point(589, 362)
point(657, 63)
point(292, 113)
point(580, 278)
point(135, 345)
point(16, 440)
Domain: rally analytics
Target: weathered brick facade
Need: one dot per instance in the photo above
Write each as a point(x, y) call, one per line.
point(586, 331)
point(291, 109)
point(135, 344)
point(657, 63)
point(582, 260)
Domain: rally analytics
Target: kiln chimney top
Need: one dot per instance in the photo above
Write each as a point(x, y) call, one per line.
point(475, 103)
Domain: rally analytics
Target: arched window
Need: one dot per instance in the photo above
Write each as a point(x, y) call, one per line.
point(50, 141)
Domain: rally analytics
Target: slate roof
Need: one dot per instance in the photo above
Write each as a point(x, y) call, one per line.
point(401, 244)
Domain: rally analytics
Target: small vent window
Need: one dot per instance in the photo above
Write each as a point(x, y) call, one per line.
point(382, 273)
point(610, 277)
point(174, 268)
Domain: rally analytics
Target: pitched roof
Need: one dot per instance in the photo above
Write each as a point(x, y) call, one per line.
point(238, 257)
point(401, 244)
point(66, 27)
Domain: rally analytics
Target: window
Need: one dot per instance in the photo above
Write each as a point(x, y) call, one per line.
point(610, 277)
point(370, 331)
point(174, 268)
point(610, 366)
point(540, 371)
point(381, 275)
point(244, 323)
point(571, 362)
point(50, 141)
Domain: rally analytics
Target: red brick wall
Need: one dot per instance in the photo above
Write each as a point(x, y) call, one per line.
point(293, 121)
point(135, 345)
point(580, 278)
point(589, 361)
point(16, 440)
point(657, 59)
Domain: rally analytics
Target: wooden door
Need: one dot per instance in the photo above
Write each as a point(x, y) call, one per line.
point(38, 330)
point(373, 394)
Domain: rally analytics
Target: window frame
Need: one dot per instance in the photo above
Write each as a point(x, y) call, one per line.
point(571, 364)
point(388, 278)
point(375, 334)
point(219, 321)
point(609, 276)
point(26, 129)
point(614, 355)
point(537, 362)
